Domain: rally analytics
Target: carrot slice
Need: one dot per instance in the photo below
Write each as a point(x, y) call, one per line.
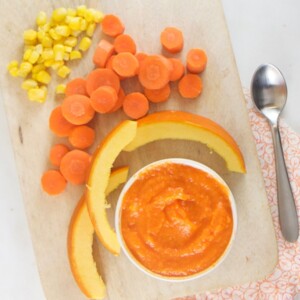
point(76, 87)
point(125, 64)
point(124, 43)
point(171, 39)
point(102, 53)
point(75, 165)
point(190, 86)
point(58, 124)
point(160, 95)
point(141, 56)
point(53, 182)
point(196, 60)
point(57, 152)
point(154, 72)
point(77, 109)
point(119, 104)
point(177, 70)
point(109, 62)
point(104, 99)
point(112, 25)
point(135, 105)
point(82, 137)
point(101, 77)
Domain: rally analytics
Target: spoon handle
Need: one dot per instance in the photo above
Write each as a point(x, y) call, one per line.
point(286, 205)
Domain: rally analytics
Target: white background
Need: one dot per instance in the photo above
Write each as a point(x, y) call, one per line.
point(262, 31)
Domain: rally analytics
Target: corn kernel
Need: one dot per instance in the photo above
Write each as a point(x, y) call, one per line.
point(63, 71)
point(48, 53)
point(59, 14)
point(14, 71)
point(70, 41)
point(75, 54)
point(74, 23)
point(40, 60)
point(56, 64)
point(54, 35)
point(45, 27)
point(60, 89)
point(90, 29)
point(30, 35)
point(85, 43)
point(98, 15)
point(76, 33)
point(81, 10)
point(49, 62)
point(26, 67)
point(47, 42)
point(41, 18)
point(71, 12)
point(29, 84)
point(66, 56)
point(68, 49)
point(43, 77)
point(37, 68)
point(59, 51)
point(83, 24)
point(40, 35)
point(34, 56)
point(12, 64)
point(63, 30)
point(37, 94)
point(89, 15)
point(27, 54)
point(39, 48)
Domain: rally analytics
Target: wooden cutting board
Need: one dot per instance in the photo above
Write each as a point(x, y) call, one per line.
point(254, 253)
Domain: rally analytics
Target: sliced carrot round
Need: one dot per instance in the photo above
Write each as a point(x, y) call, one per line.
point(171, 39)
point(53, 182)
point(154, 72)
point(104, 99)
point(135, 105)
point(196, 60)
point(58, 123)
point(125, 64)
point(77, 109)
point(112, 25)
point(141, 56)
point(177, 69)
point(57, 152)
point(160, 95)
point(75, 165)
point(101, 77)
point(82, 137)
point(102, 53)
point(119, 104)
point(190, 86)
point(76, 86)
point(124, 43)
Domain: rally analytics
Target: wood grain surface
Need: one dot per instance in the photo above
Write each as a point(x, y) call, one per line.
point(254, 253)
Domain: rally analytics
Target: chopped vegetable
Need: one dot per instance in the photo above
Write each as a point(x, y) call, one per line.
point(135, 105)
point(102, 53)
point(171, 39)
point(58, 124)
point(57, 152)
point(53, 182)
point(82, 137)
point(124, 43)
point(112, 26)
point(125, 64)
point(104, 99)
point(76, 86)
point(190, 86)
point(196, 60)
point(119, 104)
point(74, 166)
point(160, 95)
point(177, 69)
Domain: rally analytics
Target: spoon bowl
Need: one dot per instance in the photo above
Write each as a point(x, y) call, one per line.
point(269, 93)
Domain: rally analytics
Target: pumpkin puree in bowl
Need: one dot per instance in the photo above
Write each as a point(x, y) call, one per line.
point(176, 220)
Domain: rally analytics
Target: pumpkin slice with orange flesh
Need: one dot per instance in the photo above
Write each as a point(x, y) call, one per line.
point(80, 243)
point(186, 126)
point(101, 165)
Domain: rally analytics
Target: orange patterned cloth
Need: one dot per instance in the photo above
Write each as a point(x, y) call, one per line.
point(284, 282)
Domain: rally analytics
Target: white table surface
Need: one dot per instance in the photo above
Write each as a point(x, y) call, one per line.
point(261, 32)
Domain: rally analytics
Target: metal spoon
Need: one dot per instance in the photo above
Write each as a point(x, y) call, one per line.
point(269, 93)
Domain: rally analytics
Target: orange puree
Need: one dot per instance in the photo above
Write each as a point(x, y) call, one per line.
point(176, 220)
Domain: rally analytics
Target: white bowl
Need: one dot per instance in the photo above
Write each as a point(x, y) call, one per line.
point(127, 252)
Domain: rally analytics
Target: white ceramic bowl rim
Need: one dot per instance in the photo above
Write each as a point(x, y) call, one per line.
point(127, 252)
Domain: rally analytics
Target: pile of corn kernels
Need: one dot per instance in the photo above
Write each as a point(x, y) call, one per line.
point(62, 37)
